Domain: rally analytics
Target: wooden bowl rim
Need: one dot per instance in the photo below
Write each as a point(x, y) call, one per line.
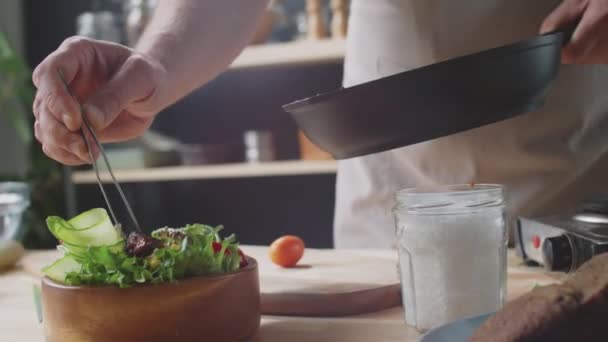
point(252, 265)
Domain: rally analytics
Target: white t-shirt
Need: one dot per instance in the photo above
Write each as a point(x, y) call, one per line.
point(547, 160)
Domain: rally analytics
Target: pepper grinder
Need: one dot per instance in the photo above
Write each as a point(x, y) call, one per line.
point(316, 25)
point(339, 21)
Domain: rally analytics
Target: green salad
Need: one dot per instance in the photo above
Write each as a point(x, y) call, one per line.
point(95, 252)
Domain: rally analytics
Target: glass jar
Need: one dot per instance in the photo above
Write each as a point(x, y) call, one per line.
point(14, 200)
point(259, 146)
point(452, 244)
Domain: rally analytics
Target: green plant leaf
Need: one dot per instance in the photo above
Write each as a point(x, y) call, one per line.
point(16, 115)
point(44, 175)
point(16, 92)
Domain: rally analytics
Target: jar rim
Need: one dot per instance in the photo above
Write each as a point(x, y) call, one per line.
point(449, 199)
point(451, 189)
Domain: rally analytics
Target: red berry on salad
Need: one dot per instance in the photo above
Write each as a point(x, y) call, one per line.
point(217, 247)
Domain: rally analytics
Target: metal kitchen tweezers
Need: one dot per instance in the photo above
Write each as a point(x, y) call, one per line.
point(87, 127)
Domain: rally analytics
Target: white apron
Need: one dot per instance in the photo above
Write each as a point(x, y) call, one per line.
point(547, 160)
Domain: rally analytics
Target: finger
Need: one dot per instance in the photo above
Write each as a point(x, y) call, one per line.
point(581, 54)
point(66, 58)
point(59, 102)
point(567, 12)
point(587, 33)
point(125, 126)
point(37, 132)
point(54, 133)
point(134, 82)
point(73, 53)
point(36, 105)
point(91, 145)
point(61, 155)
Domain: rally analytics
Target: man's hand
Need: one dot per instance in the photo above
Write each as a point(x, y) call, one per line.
point(589, 43)
point(186, 44)
point(118, 88)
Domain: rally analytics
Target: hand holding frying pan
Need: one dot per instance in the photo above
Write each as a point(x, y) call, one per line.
point(589, 44)
point(435, 100)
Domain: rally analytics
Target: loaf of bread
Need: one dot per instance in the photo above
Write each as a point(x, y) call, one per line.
point(576, 310)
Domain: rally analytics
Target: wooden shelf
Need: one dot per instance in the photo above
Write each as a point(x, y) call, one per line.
point(298, 52)
point(237, 170)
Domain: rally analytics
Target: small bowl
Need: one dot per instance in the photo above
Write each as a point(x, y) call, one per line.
point(223, 307)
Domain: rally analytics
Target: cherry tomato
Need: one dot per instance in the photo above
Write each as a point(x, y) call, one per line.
point(287, 250)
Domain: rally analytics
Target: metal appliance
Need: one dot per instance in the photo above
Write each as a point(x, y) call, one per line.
point(564, 242)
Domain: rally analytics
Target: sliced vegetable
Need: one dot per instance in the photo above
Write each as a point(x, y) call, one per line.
point(59, 270)
point(95, 252)
point(91, 228)
point(77, 250)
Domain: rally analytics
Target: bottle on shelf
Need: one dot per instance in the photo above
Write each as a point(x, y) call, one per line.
point(316, 24)
point(339, 21)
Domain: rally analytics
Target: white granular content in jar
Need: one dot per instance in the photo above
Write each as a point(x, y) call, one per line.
point(455, 264)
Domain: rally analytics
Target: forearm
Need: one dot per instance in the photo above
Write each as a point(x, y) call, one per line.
point(195, 40)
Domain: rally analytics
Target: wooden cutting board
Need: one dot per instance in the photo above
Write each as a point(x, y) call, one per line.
point(326, 282)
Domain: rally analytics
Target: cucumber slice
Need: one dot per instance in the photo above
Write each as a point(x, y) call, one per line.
point(58, 270)
point(91, 228)
point(79, 251)
point(90, 218)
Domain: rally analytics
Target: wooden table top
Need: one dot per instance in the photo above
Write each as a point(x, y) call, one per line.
point(19, 322)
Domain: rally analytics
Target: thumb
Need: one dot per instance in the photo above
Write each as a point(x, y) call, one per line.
point(133, 82)
point(567, 12)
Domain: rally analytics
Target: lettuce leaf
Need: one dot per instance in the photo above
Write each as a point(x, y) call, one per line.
point(186, 252)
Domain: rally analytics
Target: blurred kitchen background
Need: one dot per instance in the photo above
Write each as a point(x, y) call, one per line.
point(226, 154)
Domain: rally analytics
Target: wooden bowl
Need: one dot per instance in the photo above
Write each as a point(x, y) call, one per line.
point(214, 308)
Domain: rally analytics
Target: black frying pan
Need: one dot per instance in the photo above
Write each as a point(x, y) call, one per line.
point(433, 101)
